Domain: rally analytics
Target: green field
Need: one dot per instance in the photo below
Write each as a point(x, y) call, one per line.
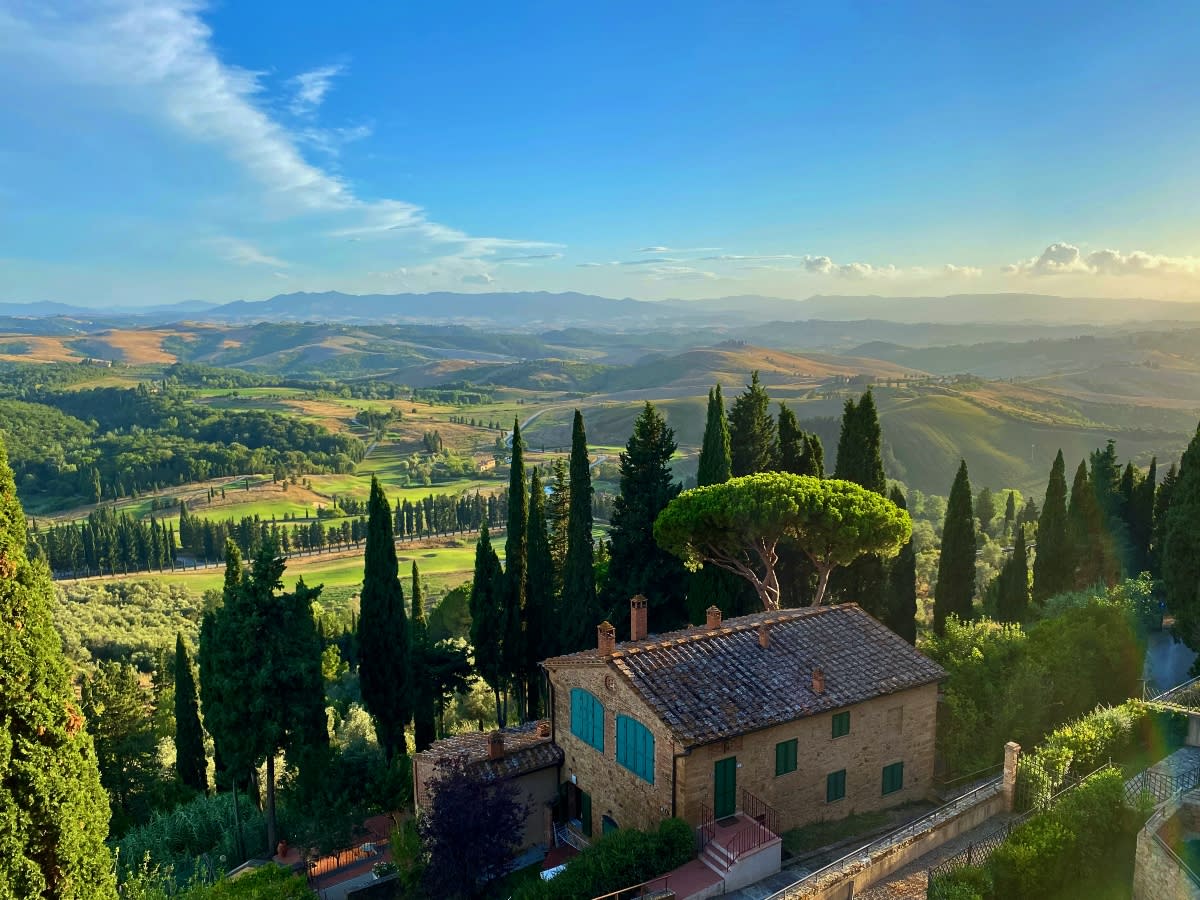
point(444, 567)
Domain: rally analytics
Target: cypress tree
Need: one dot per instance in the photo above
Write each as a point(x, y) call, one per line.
point(795, 447)
point(860, 460)
point(191, 761)
point(752, 441)
point(1181, 546)
point(488, 612)
point(1105, 478)
point(711, 585)
point(955, 589)
point(579, 608)
point(539, 597)
point(860, 445)
point(1053, 566)
point(1162, 505)
point(1012, 595)
point(1091, 547)
point(424, 704)
point(985, 508)
point(638, 565)
point(715, 462)
point(901, 614)
point(383, 638)
point(516, 569)
point(53, 811)
point(558, 515)
point(1139, 516)
point(815, 452)
point(1010, 510)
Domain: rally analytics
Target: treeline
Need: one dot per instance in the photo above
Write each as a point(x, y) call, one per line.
point(108, 443)
point(110, 543)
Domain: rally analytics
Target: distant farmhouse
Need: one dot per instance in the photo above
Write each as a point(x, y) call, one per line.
point(808, 714)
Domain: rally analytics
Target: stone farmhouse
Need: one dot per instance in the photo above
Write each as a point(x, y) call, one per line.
point(745, 727)
point(524, 754)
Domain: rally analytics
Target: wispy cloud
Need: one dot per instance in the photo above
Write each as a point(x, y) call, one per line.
point(246, 254)
point(158, 57)
point(678, 249)
point(962, 271)
point(311, 87)
point(1061, 258)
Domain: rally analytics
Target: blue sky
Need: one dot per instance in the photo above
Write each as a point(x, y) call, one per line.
point(163, 150)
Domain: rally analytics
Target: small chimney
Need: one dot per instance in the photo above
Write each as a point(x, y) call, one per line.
point(543, 729)
point(496, 745)
point(637, 618)
point(818, 684)
point(606, 638)
point(714, 618)
point(764, 635)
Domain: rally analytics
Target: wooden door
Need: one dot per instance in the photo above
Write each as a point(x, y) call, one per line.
point(725, 787)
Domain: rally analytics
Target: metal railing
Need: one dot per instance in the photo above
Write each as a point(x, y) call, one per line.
point(760, 811)
point(707, 829)
point(906, 832)
point(663, 883)
point(1161, 815)
point(563, 834)
point(1162, 786)
point(748, 840)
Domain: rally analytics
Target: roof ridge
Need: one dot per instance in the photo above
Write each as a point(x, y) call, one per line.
point(747, 622)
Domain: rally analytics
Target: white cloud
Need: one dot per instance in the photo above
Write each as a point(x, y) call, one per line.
point(1061, 258)
point(962, 271)
point(156, 58)
point(311, 88)
point(246, 254)
point(481, 278)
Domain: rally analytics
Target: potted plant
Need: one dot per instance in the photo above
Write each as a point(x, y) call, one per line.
point(383, 869)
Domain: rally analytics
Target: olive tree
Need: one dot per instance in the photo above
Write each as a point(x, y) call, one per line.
point(739, 524)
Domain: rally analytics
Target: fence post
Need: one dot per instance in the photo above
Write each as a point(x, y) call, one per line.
point(1012, 753)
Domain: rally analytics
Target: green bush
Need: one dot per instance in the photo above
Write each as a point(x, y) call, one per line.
point(619, 859)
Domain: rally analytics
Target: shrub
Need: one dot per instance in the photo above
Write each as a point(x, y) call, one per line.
point(619, 859)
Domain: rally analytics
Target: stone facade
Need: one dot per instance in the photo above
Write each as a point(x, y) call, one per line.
point(885, 730)
point(1158, 872)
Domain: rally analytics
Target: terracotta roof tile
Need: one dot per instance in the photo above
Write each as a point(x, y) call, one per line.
point(712, 685)
point(526, 749)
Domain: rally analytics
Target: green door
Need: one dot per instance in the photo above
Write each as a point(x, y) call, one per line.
point(725, 787)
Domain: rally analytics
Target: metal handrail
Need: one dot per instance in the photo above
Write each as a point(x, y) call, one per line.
point(613, 895)
point(749, 838)
point(1175, 858)
point(708, 826)
point(760, 811)
point(912, 828)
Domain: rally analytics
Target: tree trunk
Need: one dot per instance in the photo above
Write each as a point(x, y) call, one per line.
point(271, 802)
point(822, 582)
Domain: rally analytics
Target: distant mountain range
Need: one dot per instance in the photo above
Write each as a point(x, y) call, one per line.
point(541, 310)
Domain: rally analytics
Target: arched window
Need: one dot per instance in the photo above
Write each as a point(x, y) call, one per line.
point(587, 718)
point(635, 747)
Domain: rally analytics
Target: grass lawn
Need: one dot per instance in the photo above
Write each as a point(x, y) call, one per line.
point(442, 564)
point(505, 887)
point(822, 834)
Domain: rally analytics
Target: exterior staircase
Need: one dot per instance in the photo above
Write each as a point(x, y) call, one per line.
point(742, 848)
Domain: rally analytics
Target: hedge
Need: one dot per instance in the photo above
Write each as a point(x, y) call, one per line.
point(1063, 845)
point(619, 859)
point(1108, 733)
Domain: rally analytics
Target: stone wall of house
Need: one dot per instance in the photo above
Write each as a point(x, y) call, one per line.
point(894, 728)
point(616, 792)
point(537, 790)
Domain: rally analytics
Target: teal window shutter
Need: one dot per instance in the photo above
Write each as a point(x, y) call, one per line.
point(587, 718)
point(635, 747)
point(785, 757)
point(841, 724)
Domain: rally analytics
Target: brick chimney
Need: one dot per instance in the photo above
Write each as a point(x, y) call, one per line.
point(818, 684)
point(764, 635)
point(714, 618)
point(638, 627)
point(496, 745)
point(606, 638)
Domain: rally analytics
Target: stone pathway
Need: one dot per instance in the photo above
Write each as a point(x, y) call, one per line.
point(908, 882)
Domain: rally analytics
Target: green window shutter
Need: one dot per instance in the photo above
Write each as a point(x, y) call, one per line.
point(785, 757)
point(835, 786)
point(585, 813)
point(893, 777)
point(635, 747)
point(841, 724)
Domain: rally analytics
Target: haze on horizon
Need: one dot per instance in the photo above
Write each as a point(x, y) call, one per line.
point(166, 150)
